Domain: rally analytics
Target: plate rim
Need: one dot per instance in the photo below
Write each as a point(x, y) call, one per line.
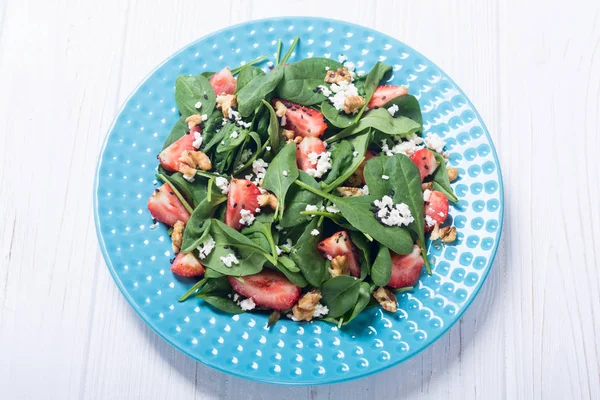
point(261, 379)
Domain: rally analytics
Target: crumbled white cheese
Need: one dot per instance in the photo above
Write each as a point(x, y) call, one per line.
point(189, 178)
point(198, 105)
point(385, 177)
point(197, 140)
point(393, 109)
point(204, 117)
point(278, 227)
point(322, 163)
point(360, 73)
point(153, 226)
point(320, 311)
point(206, 247)
point(365, 190)
point(326, 68)
point(229, 260)
point(223, 184)
point(355, 154)
point(270, 64)
point(279, 251)
point(284, 172)
point(259, 168)
point(234, 134)
point(246, 217)
point(392, 214)
point(324, 90)
point(350, 67)
point(426, 194)
point(247, 304)
point(430, 221)
point(435, 143)
point(315, 232)
point(268, 148)
point(341, 91)
point(236, 297)
point(408, 146)
point(311, 207)
point(257, 210)
point(290, 315)
point(332, 209)
point(283, 121)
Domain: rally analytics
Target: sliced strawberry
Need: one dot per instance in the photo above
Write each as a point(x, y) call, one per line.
point(243, 195)
point(223, 82)
point(269, 289)
point(406, 268)
point(385, 93)
point(308, 145)
point(436, 208)
point(304, 121)
point(425, 161)
point(358, 178)
point(166, 207)
point(339, 244)
point(169, 157)
point(187, 265)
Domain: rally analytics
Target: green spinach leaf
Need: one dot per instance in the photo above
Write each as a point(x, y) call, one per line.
point(189, 90)
point(281, 174)
point(297, 199)
point(308, 258)
point(273, 128)
point(255, 91)
point(302, 78)
point(342, 157)
point(381, 272)
point(382, 121)
point(233, 140)
point(364, 295)
point(224, 304)
point(441, 183)
point(340, 294)
point(246, 75)
point(364, 247)
point(360, 143)
point(179, 129)
point(379, 72)
point(194, 192)
point(408, 106)
point(335, 117)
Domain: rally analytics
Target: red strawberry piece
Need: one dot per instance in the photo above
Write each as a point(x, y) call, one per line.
point(243, 195)
point(340, 244)
point(359, 174)
point(406, 268)
point(436, 208)
point(166, 207)
point(268, 289)
point(308, 145)
point(425, 161)
point(169, 157)
point(223, 82)
point(385, 93)
point(304, 121)
point(187, 265)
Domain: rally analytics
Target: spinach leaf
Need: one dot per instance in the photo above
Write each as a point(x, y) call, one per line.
point(273, 128)
point(405, 187)
point(364, 296)
point(251, 257)
point(382, 121)
point(190, 90)
point(208, 74)
point(340, 294)
point(222, 303)
point(337, 118)
point(308, 257)
point(364, 247)
point(297, 199)
point(381, 272)
point(342, 157)
point(222, 161)
point(360, 143)
point(288, 264)
point(378, 73)
point(194, 192)
point(216, 286)
point(230, 142)
point(302, 78)
point(179, 129)
point(260, 233)
point(224, 132)
point(295, 277)
point(211, 127)
point(197, 227)
point(246, 75)
point(441, 183)
point(166, 179)
point(408, 106)
point(281, 173)
point(255, 91)
point(239, 69)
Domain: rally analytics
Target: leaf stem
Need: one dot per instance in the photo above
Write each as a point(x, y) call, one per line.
point(278, 52)
point(241, 67)
point(313, 190)
point(320, 213)
point(209, 192)
point(287, 55)
point(192, 290)
point(267, 231)
point(187, 206)
point(427, 265)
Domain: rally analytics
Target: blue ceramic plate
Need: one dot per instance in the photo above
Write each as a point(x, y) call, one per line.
point(292, 353)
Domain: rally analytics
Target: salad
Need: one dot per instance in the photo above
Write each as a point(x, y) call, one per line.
point(305, 190)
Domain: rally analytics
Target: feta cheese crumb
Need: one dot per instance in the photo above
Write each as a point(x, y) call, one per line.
point(197, 140)
point(234, 134)
point(257, 210)
point(360, 73)
point(322, 163)
point(198, 105)
point(408, 146)
point(204, 117)
point(341, 91)
point(279, 251)
point(223, 184)
point(435, 143)
point(311, 207)
point(206, 247)
point(259, 167)
point(189, 178)
point(392, 214)
point(229, 260)
point(332, 209)
point(355, 154)
point(278, 227)
point(426, 194)
point(393, 109)
point(270, 64)
point(385, 177)
point(320, 311)
point(324, 90)
point(153, 226)
point(284, 173)
point(290, 315)
point(365, 190)
point(283, 121)
point(246, 217)
point(429, 221)
point(247, 304)
point(315, 232)
point(268, 148)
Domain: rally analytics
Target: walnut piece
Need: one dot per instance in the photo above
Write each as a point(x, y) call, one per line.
point(347, 191)
point(177, 236)
point(337, 76)
point(280, 109)
point(353, 103)
point(386, 298)
point(427, 186)
point(267, 199)
point(288, 134)
point(305, 308)
point(452, 174)
point(193, 120)
point(225, 102)
point(339, 266)
point(196, 159)
point(447, 233)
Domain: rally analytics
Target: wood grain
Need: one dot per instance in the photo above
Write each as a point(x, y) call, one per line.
point(533, 70)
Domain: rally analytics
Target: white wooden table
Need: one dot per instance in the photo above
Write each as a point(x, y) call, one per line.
point(532, 68)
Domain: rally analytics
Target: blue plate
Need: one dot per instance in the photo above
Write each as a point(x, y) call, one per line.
point(291, 353)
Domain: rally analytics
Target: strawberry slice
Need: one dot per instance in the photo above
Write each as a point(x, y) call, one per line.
point(187, 265)
point(304, 121)
point(358, 177)
point(406, 268)
point(425, 161)
point(385, 93)
point(269, 289)
point(169, 157)
point(166, 207)
point(243, 195)
point(308, 145)
point(340, 244)
point(223, 82)
point(436, 208)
